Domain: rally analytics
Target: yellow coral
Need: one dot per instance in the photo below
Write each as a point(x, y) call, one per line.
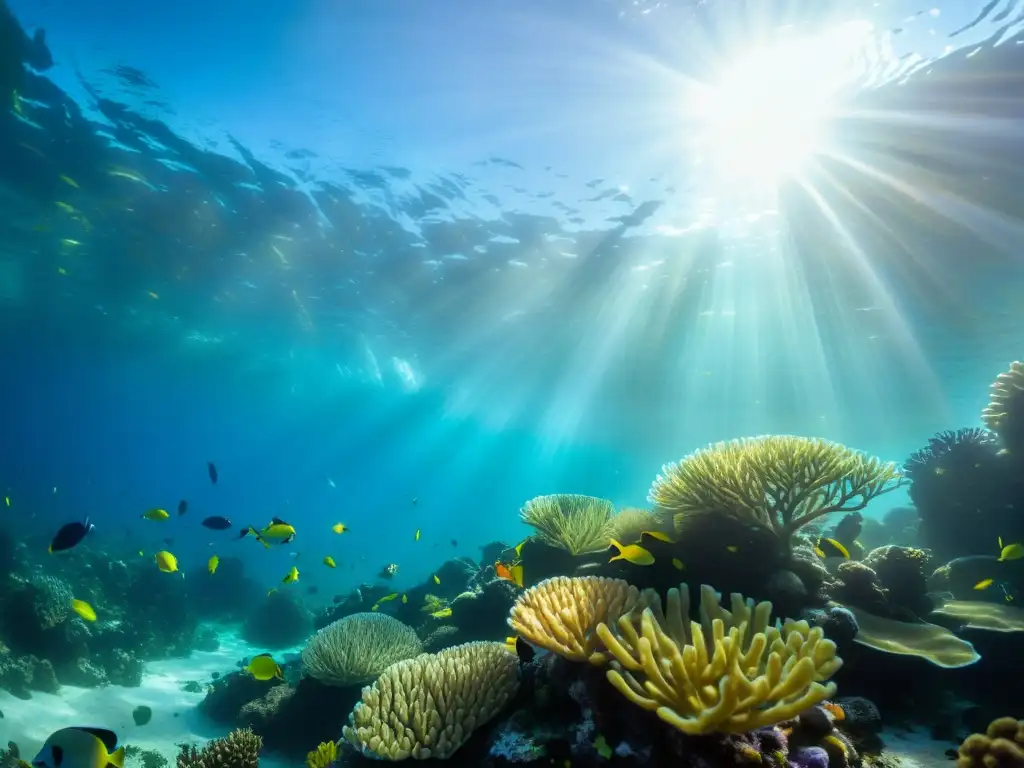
point(1004, 413)
point(357, 648)
point(321, 757)
point(730, 673)
point(561, 614)
point(429, 706)
point(778, 482)
point(1001, 746)
point(577, 524)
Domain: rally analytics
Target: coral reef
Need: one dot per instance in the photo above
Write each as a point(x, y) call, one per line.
point(577, 524)
point(430, 705)
point(357, 648)
point(1004, 413)
point(239, 749)
point(1001, 746)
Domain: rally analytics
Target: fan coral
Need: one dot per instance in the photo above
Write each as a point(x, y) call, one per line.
point(1001, 746)
point(577, 524)
point(357, 648)
point(963, 447)
point(1004, 413)
point(430, 705)
point(777, 482)
point(561, 614)
point(239, 749)
point(730, 673)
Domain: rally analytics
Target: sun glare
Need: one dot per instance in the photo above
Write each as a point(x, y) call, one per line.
point(768, 113)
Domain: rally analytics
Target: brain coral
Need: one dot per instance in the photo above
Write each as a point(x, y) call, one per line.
point(357, 648)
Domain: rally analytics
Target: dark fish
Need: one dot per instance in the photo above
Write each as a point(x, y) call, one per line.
point(182, 507)
point(455, 543)
point(217, 523)
point(211, 469)
point(70, 535)
point(142, 714)
point(524, 651)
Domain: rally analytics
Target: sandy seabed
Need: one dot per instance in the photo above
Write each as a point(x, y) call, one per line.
point(176, 718)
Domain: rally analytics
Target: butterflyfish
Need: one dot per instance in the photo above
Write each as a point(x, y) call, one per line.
point(339, 528)
point(831, 548)
point(165, 561)
point(79, 747)
point(632, 553)
point(1009, 552)
point(83, 609)
point(263, 667)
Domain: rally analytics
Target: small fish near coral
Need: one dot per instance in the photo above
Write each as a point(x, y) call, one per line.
point(263, 668)
point(142, 714)
point(277, 531)
point(80, 747)
point(631, 553)
point(70, 536)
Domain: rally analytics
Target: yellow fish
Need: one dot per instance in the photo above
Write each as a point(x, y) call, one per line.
point(831, 548)
point(405, 599)
point(387, 598)
point(69, 242)
point(329, 562)
point(602, 748)
point(165, 561)
point(437, 579)
point(374, 607)
point(141, 553)
point(678, 564)
point(339, 528)
point(277, 531)
point(1010, 551)
point(733, 548)
point(83, 609)
point(519, 547)
point(291, 576)
point(263, 667)
point(657, 535)
point(444, 613)
point(983, 584)
point(69, 181)
point(212, 563)
point(156, 514)
point(8, 500)
point(79, 748)
point(632, 553)
point(417, 534)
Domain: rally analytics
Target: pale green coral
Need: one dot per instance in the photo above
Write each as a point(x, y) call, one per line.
point(575, 523)
point(357, 648)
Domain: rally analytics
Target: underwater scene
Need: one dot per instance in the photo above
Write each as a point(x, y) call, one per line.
point(563, 384)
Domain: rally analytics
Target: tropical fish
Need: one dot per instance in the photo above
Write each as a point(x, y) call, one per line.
point(217, 523)
point(1010, 552)
point(632, 553)
point(79, 747)
point(444, 613)
point(520, 648)
point(657, 535)
point(339, 528)
point(83, 609)
point(156, 514)
point(388, 571)
point(211, 470)
point(69, 181)
point(277, 531)
point(8, 500)
point(291, 576)
point(165, 561)
point(263, 667)
point(984, 584)
point(212, 563)
point(437, 579)
point(386, 599)
point(513, 573)
point(678, 564)
point(405, 599)
point(519, 548)
point(182, 507)
point(70, 535)
point(830, 548)
point(417, 535)
point(329, 562)
point(732, 548)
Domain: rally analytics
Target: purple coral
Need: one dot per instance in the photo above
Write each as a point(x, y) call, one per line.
point(808, 757)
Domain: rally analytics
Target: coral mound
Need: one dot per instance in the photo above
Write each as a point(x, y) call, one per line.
point(561, 614)
point(1001, 746)
point(1004, 413)
point(357, 648)
point(240, 749)
point(575, 523)
point(730, 673)
point(429, 706)
point(775, 482)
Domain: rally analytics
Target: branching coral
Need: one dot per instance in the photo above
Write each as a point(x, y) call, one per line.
point(561, 614)
point(626, 526)
point(1004, 413)
point(777, 482)
point(357, 648)
point(239, 749)
point(1001, 746)
point(730, 673)
point(429, 706)
point(577, 524)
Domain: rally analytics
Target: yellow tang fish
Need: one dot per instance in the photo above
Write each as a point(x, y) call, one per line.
point(657, 535)
point(1010, 551)
point(417, 534)
point(444, 613)
point(263, 667)
point(339, 528)
point(387, 598)
point(984, 584)
point(437, 579)
point(212, 563)
point(632, 553)
point(155, 514)
point(291, 576)
point(165, 561)
point(405, 599)
point(329, 562)
point(83, 609)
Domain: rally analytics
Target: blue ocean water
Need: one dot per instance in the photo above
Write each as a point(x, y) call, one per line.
point(405, 266)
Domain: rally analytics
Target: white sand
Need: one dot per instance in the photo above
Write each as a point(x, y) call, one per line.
point(29, 723)
point(916, 748)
